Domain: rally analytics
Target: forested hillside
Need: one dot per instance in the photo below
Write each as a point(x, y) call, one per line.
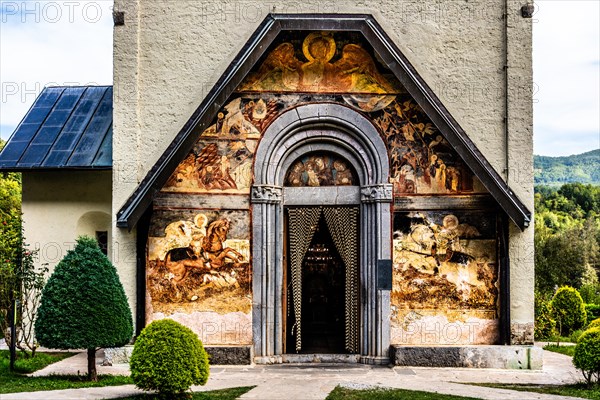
point(567, 236)
point(555, 171)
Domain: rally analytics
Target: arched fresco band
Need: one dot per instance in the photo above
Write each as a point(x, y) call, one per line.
point(337, 129)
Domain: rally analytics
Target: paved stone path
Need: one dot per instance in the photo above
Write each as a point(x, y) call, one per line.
point(315, 381)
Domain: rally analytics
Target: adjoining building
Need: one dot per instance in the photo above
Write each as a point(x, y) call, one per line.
point(305, 187)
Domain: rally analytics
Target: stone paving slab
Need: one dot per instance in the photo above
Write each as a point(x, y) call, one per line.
point(315, 381)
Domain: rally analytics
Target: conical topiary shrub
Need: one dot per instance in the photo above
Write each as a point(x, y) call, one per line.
point(84, 305)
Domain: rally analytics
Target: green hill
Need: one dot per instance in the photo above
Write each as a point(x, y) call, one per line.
point(556, 171)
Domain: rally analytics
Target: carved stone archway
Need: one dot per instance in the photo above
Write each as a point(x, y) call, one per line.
point(343, 131)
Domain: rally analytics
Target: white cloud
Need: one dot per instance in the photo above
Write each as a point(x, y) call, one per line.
point(567, 74)
point(46, 43)
point(73, 46)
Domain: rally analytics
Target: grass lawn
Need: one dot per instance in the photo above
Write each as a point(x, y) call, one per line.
point(566, 350)
point(13, 382)
point(340, 393)
point(577, 390)
point(222, 394)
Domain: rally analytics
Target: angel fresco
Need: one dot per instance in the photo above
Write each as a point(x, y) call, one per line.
point(280, 71)
point(354, 72)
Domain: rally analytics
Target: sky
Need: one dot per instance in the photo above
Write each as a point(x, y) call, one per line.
point(44, 43)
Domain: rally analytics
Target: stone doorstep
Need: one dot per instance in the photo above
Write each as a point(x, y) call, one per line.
point(485, 356)
point(218, 355)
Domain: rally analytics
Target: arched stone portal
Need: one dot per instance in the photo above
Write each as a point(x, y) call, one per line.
point(340, 130)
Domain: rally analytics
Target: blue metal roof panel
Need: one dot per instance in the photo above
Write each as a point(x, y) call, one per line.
point(75, 126)
point(67, 127)
point(104, 156)
point(89, 144)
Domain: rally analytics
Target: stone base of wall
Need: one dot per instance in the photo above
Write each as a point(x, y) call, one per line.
point(503, 357)
point(241, 355)
point(238, 355)
point(521, 333)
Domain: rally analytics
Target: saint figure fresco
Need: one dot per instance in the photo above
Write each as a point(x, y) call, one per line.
point(197, 260)
point(320, 170)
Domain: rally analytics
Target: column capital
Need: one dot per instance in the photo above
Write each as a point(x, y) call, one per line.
point(380, 193)
point(266, 194)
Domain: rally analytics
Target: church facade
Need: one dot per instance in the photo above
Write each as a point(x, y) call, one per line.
point(350, 184)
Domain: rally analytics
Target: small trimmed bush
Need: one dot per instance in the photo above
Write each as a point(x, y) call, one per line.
point(169, 358)
point(587, 354)
point(568, 310)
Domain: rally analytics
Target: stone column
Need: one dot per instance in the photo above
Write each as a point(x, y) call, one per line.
point(375, 244)
point(267, 274)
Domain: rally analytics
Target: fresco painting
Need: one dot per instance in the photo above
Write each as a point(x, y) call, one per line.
point(445, 272)
point(321, 170)
point(215, 166)
point(445, 263)
point(313, 67)
point(199, 261)
point(319, 65)
point(422, 161)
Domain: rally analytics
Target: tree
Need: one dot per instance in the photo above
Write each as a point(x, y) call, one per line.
point(568, 310)
point(10, 237)
point(567, 236)
point(84, 305)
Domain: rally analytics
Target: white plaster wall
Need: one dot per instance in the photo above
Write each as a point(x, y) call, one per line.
point(58, 207)
point(169, 54)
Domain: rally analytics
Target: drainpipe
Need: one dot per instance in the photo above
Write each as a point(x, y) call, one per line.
point(506, 127)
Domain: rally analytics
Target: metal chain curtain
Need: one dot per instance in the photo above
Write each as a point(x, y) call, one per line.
point(343, 226)
point(302, 226)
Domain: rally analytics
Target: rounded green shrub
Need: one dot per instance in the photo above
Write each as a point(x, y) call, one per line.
point(568, 310)
point(169, 358)
point(587, 354)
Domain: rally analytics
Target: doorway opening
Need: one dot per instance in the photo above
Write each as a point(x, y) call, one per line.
point(322, 292)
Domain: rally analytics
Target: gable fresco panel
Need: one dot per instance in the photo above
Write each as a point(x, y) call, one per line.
point(457, 266)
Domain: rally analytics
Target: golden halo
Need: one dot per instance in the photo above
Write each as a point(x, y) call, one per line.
point(200, 220)
point(450, 222)
point(311, 38)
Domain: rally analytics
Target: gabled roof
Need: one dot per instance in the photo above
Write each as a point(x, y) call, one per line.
point(66, 128)
point(389, 53)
